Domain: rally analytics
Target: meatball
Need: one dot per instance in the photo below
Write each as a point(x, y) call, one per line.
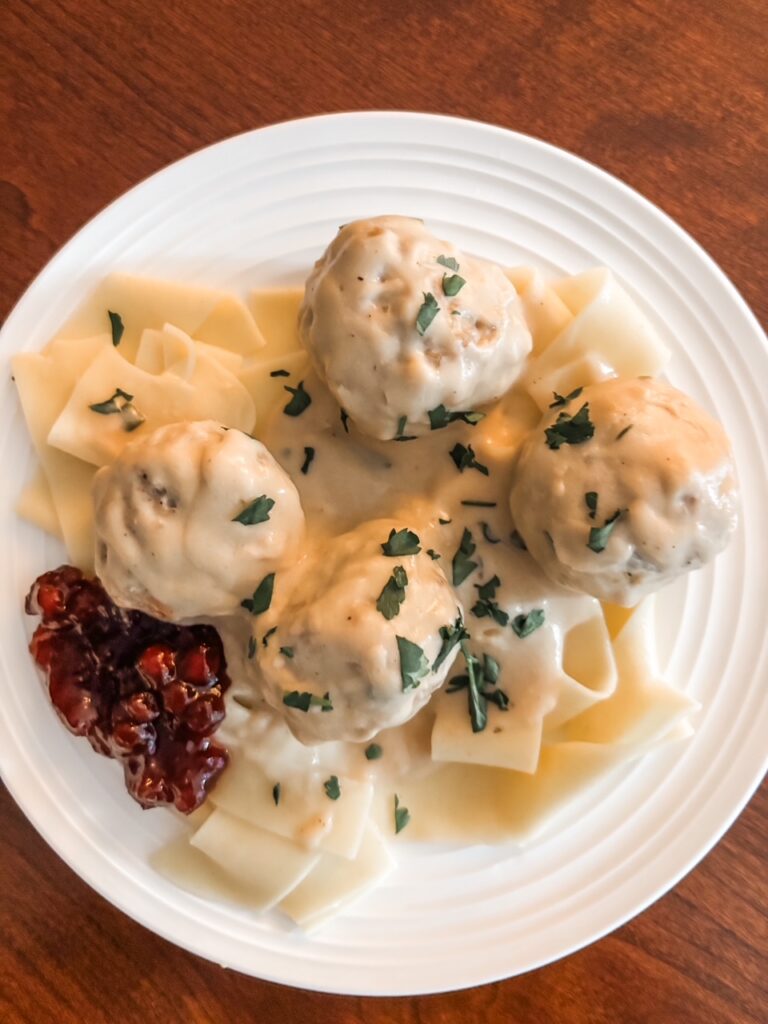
point(398, 323)
point(352, 643)
point(187, 517)
point(623, 487)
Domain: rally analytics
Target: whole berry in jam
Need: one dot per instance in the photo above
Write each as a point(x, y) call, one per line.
point(145, 692)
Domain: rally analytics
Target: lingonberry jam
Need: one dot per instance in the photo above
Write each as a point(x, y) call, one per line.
point(145, 692)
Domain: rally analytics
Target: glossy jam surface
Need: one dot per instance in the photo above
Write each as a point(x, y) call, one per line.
point(145, 692)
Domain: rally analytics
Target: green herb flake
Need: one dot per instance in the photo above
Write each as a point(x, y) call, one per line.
point(568, 429)
point(488, 535)
point(524, 625)
point(476, 681)
point(626, 430)
point(309, 454)
point(560, 400)
point(267, 635)
point(401, 542)
point(120, 403)
point(448, 262)
point(251, 647)
point(464, 458)
point(599, 535)
point(479, 504)
point(287, 651)
point(462, 564)
point(300, 400)
point(280, 373)
point(117, 327)
point(373, 752)
point(444, 522)
point(276, 793)
point(433, 554)
point(440, 417)
point(393, 594)
point(332, 788)
point(427, 312)
point(486, 604)
point(590, 500)
point(450, 636)
point(402, 816)
point(255, 512)
point(413, 663)
point(262, 596)
point(400, 434)
point(452, 284)
point(303, 701)
point(491, 669)
point(344, 417)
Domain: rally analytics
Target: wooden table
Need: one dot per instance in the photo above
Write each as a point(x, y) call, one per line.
point(671, 97)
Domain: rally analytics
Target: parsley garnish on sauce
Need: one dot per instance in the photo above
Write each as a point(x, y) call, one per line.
point(300, 400)
point(373, 752)
point(262, 596)
point(451, 636)
point(393, 594)
point(486, 604)
point(599, 535)
point(267, 635)
point(488, 535)
point(564, 400)
point(344, 416)
point(287, 651)
point(433, 554)
point(462, 564)
point(280, 373)
point(452, 284)
point(464, 458)
point(303, 701)
point(479, 676)
point(332, 788)
point(117, 327)
point(255, 512)
point(401, 542)
point(399, 431)
point(448, 261)
point(427, 312)
point(440, 417)
point(479, 504)
point(570, 429)
point(121, 403)
point(626, 430)
point(309, 454)
point(524, 625)
point(590, 500)
point(251, 647)
point(276, 793)
point(402, 816)
point(413, 663)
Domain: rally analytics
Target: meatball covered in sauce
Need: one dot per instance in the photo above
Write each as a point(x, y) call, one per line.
point(352, 641)
point(399, 323)
point(187, 517)
point(623, 487)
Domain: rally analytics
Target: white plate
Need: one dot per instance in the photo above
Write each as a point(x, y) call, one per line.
point(258, 209)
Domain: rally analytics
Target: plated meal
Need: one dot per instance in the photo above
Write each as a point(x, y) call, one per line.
point(365, 561)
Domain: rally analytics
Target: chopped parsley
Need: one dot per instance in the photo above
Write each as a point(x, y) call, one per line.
point(332, 788)
point(262, 596)
point(267, 635)
point(287, 651)
point(280, 373)
point(569, 429)
point(626, 430)
point(488, 535)
point(479, 504)
point(117, 327)
point(440, 417)
point(344, 420)
point(303, 701)
point(401, 542)
point(599, 535)
point(309, 454)
point(448, 261)
point(427, 312)
point(524, 625)
point(300, 400)
point(399, 431)
point(462, 564)
point(276, 793)
point(518, 541)
point(476, 681)
point(486, 604)
point(452, 284)
point(451, 636)
point(121, 403)
point(590, 500)
point(251, 647)
point(373, 752)
point(413, 663)
point(393, 594)
point(464, 458)
point(433, 554)
point(402, 816)
point(444, 522)
point(560, 400)
point(255, 512)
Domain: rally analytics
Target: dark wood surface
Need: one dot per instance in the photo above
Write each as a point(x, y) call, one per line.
point(669, 96)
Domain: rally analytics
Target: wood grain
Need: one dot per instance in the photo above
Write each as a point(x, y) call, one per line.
point(671, 97)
